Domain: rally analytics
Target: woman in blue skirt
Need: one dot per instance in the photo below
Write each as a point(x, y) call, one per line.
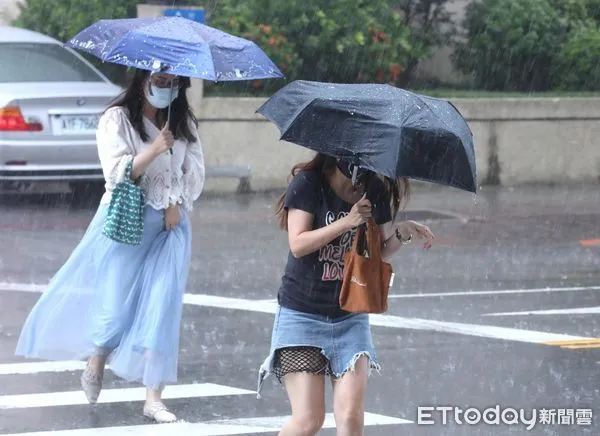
point(312, 336)
point(121, 304)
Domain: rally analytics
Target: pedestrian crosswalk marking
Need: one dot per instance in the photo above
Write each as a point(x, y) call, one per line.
point(37, 367)
point(75, 398)
point(224, 427)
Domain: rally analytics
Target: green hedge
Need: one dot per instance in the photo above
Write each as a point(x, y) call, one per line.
point(336, 41)
point(530, 46)
point(577, 64)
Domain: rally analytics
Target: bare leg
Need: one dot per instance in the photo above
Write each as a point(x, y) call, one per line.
point(348, 400)
point(306, 393)
point(96, 363)
point(153, 396)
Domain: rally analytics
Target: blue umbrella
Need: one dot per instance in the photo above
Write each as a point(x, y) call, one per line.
point(176, 46)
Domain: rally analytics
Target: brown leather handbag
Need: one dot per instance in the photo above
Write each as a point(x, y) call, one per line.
point(366, 279)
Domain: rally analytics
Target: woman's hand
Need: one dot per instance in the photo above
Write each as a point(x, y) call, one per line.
point(360, 212)
point(413, 229)
point(172, 217)
point(164, 141)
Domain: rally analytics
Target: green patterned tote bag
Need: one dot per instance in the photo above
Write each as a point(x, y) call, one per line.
point(125, 219)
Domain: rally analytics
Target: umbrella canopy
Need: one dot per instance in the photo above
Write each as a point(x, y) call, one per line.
point(176, 45)
point(385, 129)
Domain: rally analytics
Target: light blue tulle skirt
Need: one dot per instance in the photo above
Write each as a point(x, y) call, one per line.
point(118, 300)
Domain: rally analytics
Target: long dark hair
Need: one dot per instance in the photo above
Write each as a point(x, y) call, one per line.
point(398, 189)
point(133, 99)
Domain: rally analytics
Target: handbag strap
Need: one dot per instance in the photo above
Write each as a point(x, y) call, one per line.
point(359, 239)
point(373, 240)
point(128, 169)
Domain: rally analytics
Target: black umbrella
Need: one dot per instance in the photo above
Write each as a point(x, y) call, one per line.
point(387, 130)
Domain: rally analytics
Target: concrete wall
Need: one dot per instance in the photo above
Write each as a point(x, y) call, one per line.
point(517, 141)
point(439, 65)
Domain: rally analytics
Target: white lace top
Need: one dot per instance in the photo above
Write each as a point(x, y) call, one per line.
point(169, 179)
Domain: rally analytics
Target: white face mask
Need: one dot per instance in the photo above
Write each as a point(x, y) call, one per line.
point(160, 98)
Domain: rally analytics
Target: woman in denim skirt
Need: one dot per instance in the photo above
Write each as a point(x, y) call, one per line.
point(312, 336)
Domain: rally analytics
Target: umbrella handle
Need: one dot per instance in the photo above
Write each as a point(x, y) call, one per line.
point(169, 113)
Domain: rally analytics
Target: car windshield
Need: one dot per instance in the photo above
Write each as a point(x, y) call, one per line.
point(39, 62)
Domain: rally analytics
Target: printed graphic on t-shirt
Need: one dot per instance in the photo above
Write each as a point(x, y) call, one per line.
point(331, 256)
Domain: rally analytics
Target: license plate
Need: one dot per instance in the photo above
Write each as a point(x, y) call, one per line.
point(77, 124)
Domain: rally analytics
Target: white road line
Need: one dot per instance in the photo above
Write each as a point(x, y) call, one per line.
point(391, 321)
point(36, 367)
point(573, 311)
point(76, 398)
point(478, 330)
point(230, 303)
point(21, 287)
point(209, 428)
point(496, 292)
point(192, 299)
point(30, 287)
point(484, 331)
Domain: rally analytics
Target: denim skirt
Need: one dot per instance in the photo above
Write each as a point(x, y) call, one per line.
point(342, 340)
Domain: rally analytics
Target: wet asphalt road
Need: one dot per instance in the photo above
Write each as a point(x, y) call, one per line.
point(470, 321)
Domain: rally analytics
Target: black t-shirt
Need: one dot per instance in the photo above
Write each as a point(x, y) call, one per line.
point(312, 283)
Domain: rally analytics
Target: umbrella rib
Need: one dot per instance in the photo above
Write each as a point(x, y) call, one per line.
point(110, 52)
point(296, 116)
point(446, 124)
point(210, 49)
point(433, 112)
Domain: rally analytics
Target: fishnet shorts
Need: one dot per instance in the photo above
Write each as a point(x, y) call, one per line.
point(316, 344)
point(300, 359)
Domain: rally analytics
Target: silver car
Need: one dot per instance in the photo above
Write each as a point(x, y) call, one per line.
point(50, 102)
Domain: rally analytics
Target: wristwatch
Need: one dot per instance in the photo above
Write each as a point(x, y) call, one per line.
point(403, 241)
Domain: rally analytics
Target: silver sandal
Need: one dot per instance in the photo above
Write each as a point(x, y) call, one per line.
point(158, 412)
point(91, 383)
